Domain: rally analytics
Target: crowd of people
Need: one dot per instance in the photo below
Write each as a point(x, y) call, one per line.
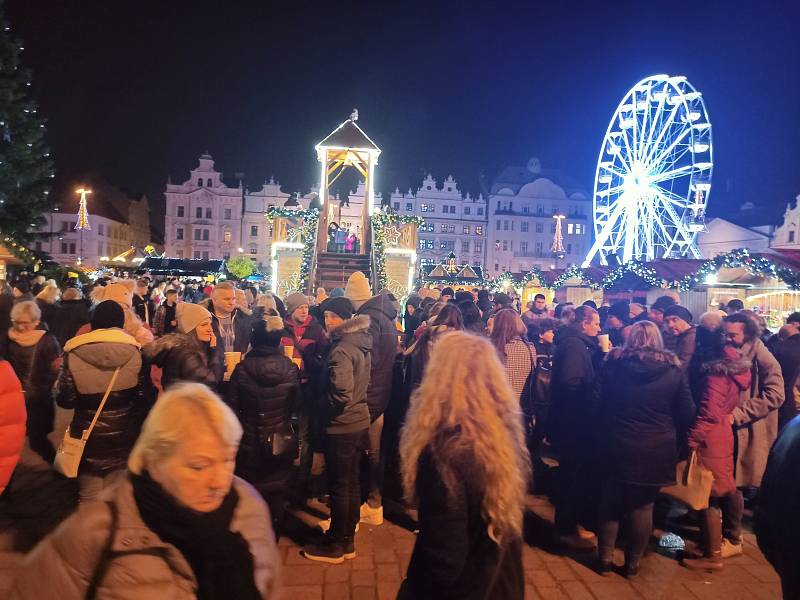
point(224, 406)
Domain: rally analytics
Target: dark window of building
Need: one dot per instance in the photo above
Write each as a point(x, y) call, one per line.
point(208, 213)
point(409, 206)
point(208, 182)
point(198, 212)
point(179, 233)
point(480, 211)
point(253, 230)
point(200, 182)
point(205, 255)
point(205, 235)
point(227, 213)
point(180, 211)
point(466, 210)
point(72, 248)
point(396, 206)
point(197, 234)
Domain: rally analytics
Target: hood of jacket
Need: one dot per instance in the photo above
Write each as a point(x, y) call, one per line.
point(731, 365)
point(354, 331)
point(170, 342)
point(104, 348)
point(380, 304)
point(268, 366)
point(644, 364)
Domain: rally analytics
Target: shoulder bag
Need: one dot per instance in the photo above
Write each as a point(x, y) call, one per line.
point(68, 457)
point(693, 487)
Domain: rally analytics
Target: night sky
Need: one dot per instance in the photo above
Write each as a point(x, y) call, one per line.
point(136, 91)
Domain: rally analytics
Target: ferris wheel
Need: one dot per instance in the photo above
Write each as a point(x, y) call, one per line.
point(653, 174)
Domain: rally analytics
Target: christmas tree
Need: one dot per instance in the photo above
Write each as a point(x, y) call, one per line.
point(26, 169)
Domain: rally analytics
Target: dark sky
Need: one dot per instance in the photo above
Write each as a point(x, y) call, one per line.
point(135, 91)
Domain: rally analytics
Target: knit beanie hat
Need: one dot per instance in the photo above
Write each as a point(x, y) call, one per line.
point(621, 310)
point(663, 303)
point(357, 288)
point(340, 306)
point(121, 292)
point(502, 299)
point(679, 311)
point(108, 314)
point(448, 291)
point(294, 301)
point(267, 333)
point(189, 316)
point(337, 293)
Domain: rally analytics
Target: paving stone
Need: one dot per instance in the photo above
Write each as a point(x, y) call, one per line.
point(308, 574)
point(388, 572)
point(387, 590)
point(385, 555)
point(303, 592)
point(576, 590)
point(338, 573)
point(614, 590)
point(561, 572)
point(362, 577)
point(336, 591)
point(531, 594)
point(362, 561)
point(363, 593)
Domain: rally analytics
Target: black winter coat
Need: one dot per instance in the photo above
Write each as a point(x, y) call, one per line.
point(382, 313)
point(182, 357)
point(89, 363)
point(645, 407)
point(73, 315)
point(454, 557)
point(573, 390)
point(787, 352)
point(264, 390)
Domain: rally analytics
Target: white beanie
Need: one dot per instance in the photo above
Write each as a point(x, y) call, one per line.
point(189, 316)
point(357, 288)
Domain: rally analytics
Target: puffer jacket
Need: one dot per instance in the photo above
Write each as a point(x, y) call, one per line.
point(347, 369)
point(111, 536)
point(712, 435)
point(382, 312)
point(12, 422)
point(645, 406)
point(263, 391)
point(182, 357)
point(89, 364)
point(74, 315)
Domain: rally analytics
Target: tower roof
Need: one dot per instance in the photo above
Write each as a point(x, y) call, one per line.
point(349, 135)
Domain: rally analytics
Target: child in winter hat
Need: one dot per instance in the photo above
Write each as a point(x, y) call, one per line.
point(357, 289)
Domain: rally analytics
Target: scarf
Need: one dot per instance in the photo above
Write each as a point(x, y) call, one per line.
point(28, 338)
point(220, 558)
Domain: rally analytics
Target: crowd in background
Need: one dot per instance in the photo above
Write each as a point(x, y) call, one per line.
point(220, 401)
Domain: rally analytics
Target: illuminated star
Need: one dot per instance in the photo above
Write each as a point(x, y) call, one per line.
point(392, 235)
point(294, 233)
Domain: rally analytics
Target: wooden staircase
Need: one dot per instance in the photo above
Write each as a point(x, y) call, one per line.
point(333, 269)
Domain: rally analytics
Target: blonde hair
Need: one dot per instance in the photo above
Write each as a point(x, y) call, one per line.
point(172, 419)
point(29, 307)
point(644, 334)
point(465, 410)
point(48, 294)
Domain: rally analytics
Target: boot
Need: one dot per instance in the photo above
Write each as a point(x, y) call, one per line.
point(711, 540)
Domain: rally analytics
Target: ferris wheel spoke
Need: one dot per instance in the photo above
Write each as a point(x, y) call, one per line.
point(653, 125)
point(664, 153)
point(678, 172)
point(671, 161)
point(680, 230)
point(668, 196)
point(663, 129)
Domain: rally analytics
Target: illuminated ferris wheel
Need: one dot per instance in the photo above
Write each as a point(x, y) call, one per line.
point(653, 174)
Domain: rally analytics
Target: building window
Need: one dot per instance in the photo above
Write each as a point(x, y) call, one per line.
point(198, 212)
point(539, 227)
point(523, 247)
point(791, 237)
point(466, 229)
point(226, 255)
point(505, 245)
point(498, 205)
point(496, 267)
point(226, 235)
point(196, 255)
point(443, 228)
point(510, 205)
point(200, 182)
point(429, 244)
point(498, 225)
point(227, 214)
point(208, 213)
point(539, 210)
point(409, 206)
point(253, 230)
point(100, 229)
point(253, 250)
point(179, 233)
point(480, 211)
point(99, 248)
point(396, 206)
point(553, 228)
point(569, 248)
point(526, 208)
point(72, 248)
point(538, 248)
point(447, 245)
point(465, 245)
point(479, 230)
point(505, 225)
point(179, 253)
point(421, 244)
point(466, 210)
point(208, 182)
point(180, 211)
point(205, 235)
point(478, 246)
point(63, 247)
point(205, 255)
point(523, 227)
point(569, 228)
point(197, 234)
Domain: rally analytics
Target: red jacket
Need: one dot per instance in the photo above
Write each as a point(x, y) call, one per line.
point(12, 422)
point(308, 341)
point(712, 433)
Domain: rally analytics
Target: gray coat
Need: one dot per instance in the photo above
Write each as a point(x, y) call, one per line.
point(139, 565)
point(756, 417)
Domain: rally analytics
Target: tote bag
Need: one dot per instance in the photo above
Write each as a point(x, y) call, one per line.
point(694, 484)
point(68, 457)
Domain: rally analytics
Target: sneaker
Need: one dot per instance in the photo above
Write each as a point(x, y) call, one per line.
point(325, 525)
point(327, 551)
point(371, 516)
point(349, 548)
point(730, 549)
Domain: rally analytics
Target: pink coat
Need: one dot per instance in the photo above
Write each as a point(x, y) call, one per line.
point(12, 422)
point(712, 433)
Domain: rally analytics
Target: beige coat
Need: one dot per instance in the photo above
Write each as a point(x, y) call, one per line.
point(141, 565)
point(756, 417)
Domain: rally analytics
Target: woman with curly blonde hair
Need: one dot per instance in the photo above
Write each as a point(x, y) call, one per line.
point(465, 463)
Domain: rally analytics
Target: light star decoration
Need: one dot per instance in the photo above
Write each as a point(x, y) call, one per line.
point(392, 235)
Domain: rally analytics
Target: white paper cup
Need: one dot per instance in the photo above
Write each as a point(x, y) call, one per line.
point(605, 343)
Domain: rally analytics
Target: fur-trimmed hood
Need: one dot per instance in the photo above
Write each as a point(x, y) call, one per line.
point(650, 355)
point(354, 325)
point(169, 342)
point(643, 365)
point(732, 365)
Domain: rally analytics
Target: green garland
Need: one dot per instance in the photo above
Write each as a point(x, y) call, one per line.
point(380, 221)
point(646, 272)
point(575, 272)
point(18, 250)
point(739, 258)
point(308, 233)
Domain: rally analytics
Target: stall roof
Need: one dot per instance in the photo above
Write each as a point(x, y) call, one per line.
point(181, 266)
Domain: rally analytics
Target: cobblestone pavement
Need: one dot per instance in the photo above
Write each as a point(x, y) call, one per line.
point(40, 500)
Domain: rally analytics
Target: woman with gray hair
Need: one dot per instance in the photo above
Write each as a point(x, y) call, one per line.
point(179, 525)
point(33, 352)
point(645, 406)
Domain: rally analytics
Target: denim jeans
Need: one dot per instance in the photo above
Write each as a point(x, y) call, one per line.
point(634, 504)
point(342, 459)
point(375, 463)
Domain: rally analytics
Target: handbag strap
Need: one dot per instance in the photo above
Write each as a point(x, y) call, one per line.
point(88, 431)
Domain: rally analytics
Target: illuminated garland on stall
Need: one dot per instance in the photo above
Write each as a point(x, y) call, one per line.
point(18, 250)
point(739, 258)
point(380, 221)
point(575, 272)
point(308, 233)
point(640, 269)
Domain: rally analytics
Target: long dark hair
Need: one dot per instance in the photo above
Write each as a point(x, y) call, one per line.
point(450, 316)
